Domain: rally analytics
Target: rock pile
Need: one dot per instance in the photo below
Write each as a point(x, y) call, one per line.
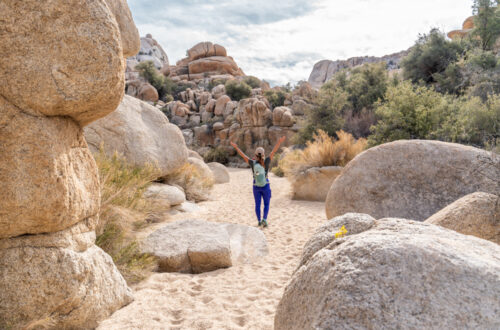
point(205, 59)
point(49, 265)
point(390, 273)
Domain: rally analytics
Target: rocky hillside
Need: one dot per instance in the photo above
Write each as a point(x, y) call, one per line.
point(325, 69)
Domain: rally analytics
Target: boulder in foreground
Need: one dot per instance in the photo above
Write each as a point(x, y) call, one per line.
point(394, 274)
point(314, 183)
point(412, 179)
point(477, 214)
point(196, 246)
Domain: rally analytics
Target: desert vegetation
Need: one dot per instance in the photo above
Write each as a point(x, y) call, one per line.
point(323, 150)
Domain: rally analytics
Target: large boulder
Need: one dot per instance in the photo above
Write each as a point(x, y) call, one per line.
point(151, 50)
point(203, 169)
point(61, 276)
point(196, 246)
point(215, 65)
point(220, 105)
point(314, 183)
point(142, 134)
point(62, 65)
point(252, 112)
point(220, 172)
point(147, 92)
point(205, 49)
point(282, 116)
point(394, 273)
point(49, 177)
point(476, 214)
point(412, 179)
point(165, 194)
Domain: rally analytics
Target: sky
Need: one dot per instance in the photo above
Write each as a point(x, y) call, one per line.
point(280, 41)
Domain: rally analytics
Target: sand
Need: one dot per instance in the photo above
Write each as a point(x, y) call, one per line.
point(244, 296)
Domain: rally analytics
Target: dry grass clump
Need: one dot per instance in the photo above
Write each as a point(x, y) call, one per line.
point(123, 211)
point(196, 186)
point(323, 151)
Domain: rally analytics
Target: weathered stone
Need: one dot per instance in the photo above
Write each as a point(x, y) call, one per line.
point(229, 109)
point(188, 136)
point(165, 194)
point(195, 246)
point(218, 126)
point(476, 214)
point(142, 134)
point(75, 289)
point(218, 91)
point(76, 63)
point(412, 179)
point(151, 50)
point(396, 273)
point(192, 153)
point(49, 177)
point(195, 120)
point(220, 172)
point(205, 97)
point(220, 105)
point(210, 107)
point(314, 183)
point(253, 113)
point(282, 116)
point(215, 64)
point(205, 49)
point(147, 92)
point(129, 35)
point(203, 136)
point(202, 168)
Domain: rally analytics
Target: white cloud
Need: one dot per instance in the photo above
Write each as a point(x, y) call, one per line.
point(280, 42)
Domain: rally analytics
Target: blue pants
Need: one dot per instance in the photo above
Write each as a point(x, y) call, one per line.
point(260, 193)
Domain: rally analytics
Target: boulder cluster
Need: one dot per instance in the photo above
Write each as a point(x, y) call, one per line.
point(66, 72)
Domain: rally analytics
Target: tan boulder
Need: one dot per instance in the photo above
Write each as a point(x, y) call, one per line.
point(215, 64)
point(220, 105)
point(218, 91)
point(142, 134)
point(314, 183)
point(75, 63)
point(49, 177)
point(147, 92)
point(202, 168)
point(391, 274)
point(192, 153)
point(205, 97)
point(165, 194)
point(128, 31)
point(74, 289)
point(252, 112)
point(220, 172)
point(476, 214)
point(205, 49)
point(282, 116)
point(203, 136)
point(412, 179)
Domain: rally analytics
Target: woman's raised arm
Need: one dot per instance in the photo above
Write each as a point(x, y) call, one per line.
point(241, 153)
point(277, 146)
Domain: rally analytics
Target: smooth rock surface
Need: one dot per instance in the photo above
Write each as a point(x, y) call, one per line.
point(142, 134)
point(196, 246)
point(397, 274)
point(75, 289)
point(48, 175)
point(202, 168)
point(165, 194)
point(72, 53)
point(476, 214)
point(314, 183)
point(412, 179)
point(220, 172)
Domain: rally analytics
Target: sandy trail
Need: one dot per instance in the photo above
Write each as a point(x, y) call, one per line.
point(241, 297)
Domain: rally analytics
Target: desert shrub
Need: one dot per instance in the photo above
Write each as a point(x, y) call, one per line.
point(216, 82)
point(431, 54)
point(218, 154)
point(123, 210)
point(323, 151)
point(148, 71)
point(195, 185)
point(237, 90)
point(252, 81)
point(168, 98)
point(275, 166)
point(275, 97)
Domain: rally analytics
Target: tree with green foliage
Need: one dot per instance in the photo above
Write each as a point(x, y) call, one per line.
point(486, 22)
point(252, 81)
point(431, 55)
point(237, 90)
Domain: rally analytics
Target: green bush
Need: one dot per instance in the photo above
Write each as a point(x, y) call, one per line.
point(164, 85)
point(219, 155)
point(237, 90)
point(431, 54)
point(275, 97)
point(252, 81)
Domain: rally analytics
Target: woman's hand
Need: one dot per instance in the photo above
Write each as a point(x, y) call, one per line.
point(234, 145)
point(282, 139)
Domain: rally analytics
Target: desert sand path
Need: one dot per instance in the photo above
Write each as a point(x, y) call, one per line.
point(241, 297)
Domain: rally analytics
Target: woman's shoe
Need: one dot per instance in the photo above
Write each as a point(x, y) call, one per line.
point(264, 222)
